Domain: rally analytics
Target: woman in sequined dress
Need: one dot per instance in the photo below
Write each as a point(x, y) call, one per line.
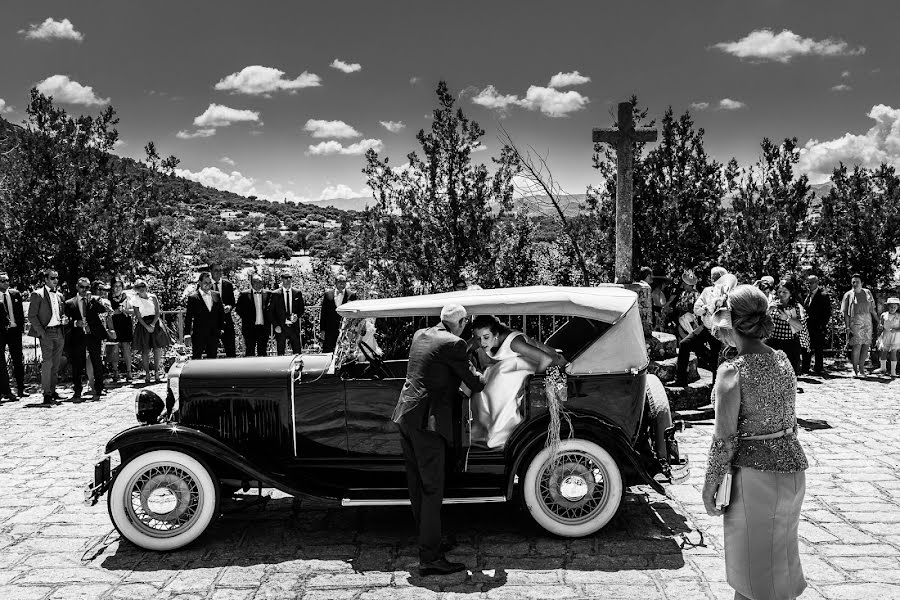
point(756, 439)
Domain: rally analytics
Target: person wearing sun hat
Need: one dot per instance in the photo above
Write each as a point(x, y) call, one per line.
point(889, 340)
point(684, 307)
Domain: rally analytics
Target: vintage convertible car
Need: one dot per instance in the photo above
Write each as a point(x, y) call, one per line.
point(319, 425)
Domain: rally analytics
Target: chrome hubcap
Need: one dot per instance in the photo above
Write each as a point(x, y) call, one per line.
point(573, 489)
point(164, 500)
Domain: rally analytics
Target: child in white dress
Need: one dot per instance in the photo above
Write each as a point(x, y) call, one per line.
point(889, 340)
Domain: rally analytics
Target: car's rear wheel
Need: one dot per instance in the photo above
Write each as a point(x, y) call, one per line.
point(163, 500)
point(578, 493)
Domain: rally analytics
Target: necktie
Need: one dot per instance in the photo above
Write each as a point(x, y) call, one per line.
point(216, 285)
point(287, 301)
point(9, 310)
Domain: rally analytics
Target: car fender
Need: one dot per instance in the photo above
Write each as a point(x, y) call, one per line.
point(198, 444)
point(528, 442)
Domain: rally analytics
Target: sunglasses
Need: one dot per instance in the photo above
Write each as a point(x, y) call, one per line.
point(53, 278)
point(82, 287)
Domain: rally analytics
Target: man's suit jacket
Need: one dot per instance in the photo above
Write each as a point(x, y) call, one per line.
point(329, 320)
point(17, 309)
point(200, 322)
point(246, 309)
point(818, 309)
point(40, 312)
point(277, 310)
point(437, 365)
point(94, 315)
point(226, 291)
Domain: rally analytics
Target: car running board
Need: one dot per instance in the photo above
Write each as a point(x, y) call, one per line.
point(405, 501)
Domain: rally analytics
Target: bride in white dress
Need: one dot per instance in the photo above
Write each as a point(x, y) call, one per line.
point(513, 356)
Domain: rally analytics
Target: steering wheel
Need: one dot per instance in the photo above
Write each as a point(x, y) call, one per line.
point(376, 368)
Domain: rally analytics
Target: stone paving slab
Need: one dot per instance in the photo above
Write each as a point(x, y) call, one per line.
point(52, 546)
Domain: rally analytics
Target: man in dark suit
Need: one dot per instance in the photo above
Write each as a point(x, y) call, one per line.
point(47, 318)
point(87, 319)
point(286, 313)
point(12, 324)
point(329, 320)
point(818, 310)
point(226, 290)
point(253, 309)
point(204, 319)
point(424, 414)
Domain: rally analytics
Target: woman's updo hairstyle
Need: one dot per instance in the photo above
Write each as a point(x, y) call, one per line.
point(488, 322)
point(750, 312)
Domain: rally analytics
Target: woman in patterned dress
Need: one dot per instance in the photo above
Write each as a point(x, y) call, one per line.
point(858, 308)
point(755, 438)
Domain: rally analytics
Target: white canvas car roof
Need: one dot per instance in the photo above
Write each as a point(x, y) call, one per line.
point(607, 303)
point(618, 350)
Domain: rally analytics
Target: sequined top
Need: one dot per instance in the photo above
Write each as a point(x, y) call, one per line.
point(754, 395)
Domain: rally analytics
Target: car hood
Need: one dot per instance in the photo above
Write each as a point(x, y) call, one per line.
point(232, 371)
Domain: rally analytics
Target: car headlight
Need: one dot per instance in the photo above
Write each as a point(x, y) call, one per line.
point(148, 407)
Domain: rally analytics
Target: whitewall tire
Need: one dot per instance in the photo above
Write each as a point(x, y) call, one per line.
point(577, 495)
point(163, 500)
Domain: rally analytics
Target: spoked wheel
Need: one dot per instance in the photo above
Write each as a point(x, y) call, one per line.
point(578, 493)
point(163, 500)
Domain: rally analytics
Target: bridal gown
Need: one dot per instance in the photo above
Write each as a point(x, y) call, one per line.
point(496, 408)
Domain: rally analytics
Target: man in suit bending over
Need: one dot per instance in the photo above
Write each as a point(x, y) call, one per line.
point(424, 415)
point(286, 314)
point(253, 309)
point(204, 319)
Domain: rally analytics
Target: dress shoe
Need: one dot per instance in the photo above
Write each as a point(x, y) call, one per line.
point(49, 401)
point(76, 397)
point(56, 396)
point(440, 567)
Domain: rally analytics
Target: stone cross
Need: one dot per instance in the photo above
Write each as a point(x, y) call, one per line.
point(622, 138)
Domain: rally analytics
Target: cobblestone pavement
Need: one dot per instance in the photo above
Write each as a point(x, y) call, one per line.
point(52, 546)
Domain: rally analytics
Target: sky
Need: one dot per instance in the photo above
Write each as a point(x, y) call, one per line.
point(281, 99)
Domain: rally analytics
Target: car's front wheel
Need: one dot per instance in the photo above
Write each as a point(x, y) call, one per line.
point(576, 494)
point(163, 500)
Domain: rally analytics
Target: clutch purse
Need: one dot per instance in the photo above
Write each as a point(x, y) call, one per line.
point(723, 494)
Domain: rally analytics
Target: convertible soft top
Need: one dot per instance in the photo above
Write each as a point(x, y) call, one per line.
point(621, 348)
point(606, 303)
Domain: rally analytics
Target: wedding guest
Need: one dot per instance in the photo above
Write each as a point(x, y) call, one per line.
point(889, 340)
point(766, 285)
point(225, 289)
point(253, 309)
point(858, 310)
point(329, 320)
point(755, 439)
point(123, 326)
point(686, 320)
point(204, 319)
point(790, 321)
point(46, 316)
point(12, 324)
point(88, 317)
point(100, 293)
point(701, 338)
point(818, 311)
point(149, 334)
point(285, 313)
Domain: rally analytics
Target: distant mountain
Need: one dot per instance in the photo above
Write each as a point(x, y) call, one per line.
point(354, 204)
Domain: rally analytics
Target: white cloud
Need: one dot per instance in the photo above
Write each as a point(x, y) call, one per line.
point(414, 80)
point(345, 66)
point(489, 97)
point(330, 129)
point(4, 107)
point(566, 79)
point(228, 161)
point(479, 147)
point(765, 44)
point(841, 87)
point(51, 29)
point(880, 144)
point(333, 192)
point(258, 80)
point(200, 133)
point(699, 105)
point(845, 74)
point(216, 178)
point(729, 104)
point(548, 100)
point(217, 115)
point(65, 90)
point(552, 102)
point(333, 147)
point(393, 126)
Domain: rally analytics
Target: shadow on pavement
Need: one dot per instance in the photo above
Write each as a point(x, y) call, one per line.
point(491, 539)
